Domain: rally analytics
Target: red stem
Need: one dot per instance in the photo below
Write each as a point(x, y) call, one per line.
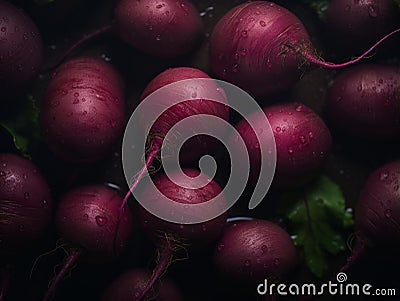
point(165, 259)
point(316, 61)
point(77, 44)
point(152, 154)
point(72, 258)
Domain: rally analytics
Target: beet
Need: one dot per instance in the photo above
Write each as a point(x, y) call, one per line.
point(21, 50)
point(25, 204)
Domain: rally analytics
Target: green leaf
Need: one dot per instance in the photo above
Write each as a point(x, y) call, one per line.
point(319, 6)
point(42, 2)
point(318, 217)
point(23, 125)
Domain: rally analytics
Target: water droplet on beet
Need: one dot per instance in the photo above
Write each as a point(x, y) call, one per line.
point(290, 150)
point(220, 247)
point(21, 228)
point(264, 249)
point(262, 23)
point(26, 195)
point(339, 98)
point(276, 262)
point(299, 108)
point(302, 139)
point(158, 6)
point(25, 176)
point(396, 187)
point(204, 228)
point(383, 176)
point(101, 220)
point(247, 263)
point(85, 216)
point(347, 8)
point(194, 95)
point(76, 94)
point(158, 37)
point(244, 34)
point(388, 213)
point(45, 204)
point(243, 52)
point(278, 129)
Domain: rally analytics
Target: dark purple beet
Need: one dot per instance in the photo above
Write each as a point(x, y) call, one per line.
point(169, 236)
point(83, 110)
point(251, 251)
point(194, 235)
point(303, 143)
point(129, 285)
point(354, 25)
point(25, 204)
point(20, 50)
point(167, 28)
point(87, 218)
point(378, 209)
point(364, 102)
point(262, 48)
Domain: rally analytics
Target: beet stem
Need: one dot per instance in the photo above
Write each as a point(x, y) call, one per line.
point(152, 154)
point(164, 261)
point(77, 44)
point(72, 258)
point(316, 61)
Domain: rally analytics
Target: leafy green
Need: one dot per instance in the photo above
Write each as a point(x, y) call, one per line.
point(318, 217)
point(319, 6)
point(23, 125)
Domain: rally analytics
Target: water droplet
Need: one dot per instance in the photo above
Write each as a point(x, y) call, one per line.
point(257, 145)
point(194, 95)
point(25, 176)
point(290, 150)
point(278, 129)
point(204, 228)
point(310, 135)
point(113, 123)
point(101, 220)
point(396, 187)
point(383, 176)
point(247, 263)
point(262, 23)
point(45, 204)
point(21, 228)
point(181, 227)
point(76, 94)
point(339, 98)
point(220, 247)
point(84, 113)
point(158, 37)
point(347, 8)
point(264, 249)
point(299, 108)
point(372, 11)
point(185, 8)
point(243, 52)
point(244, 34)
point(276, 262)
point(159, 6)
point(359, 87)
point(26, 195)
point(2, 173)
point(85, 216)
point(4, 29)
point(235, 68)
point(388, 213)
point(302, 139)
